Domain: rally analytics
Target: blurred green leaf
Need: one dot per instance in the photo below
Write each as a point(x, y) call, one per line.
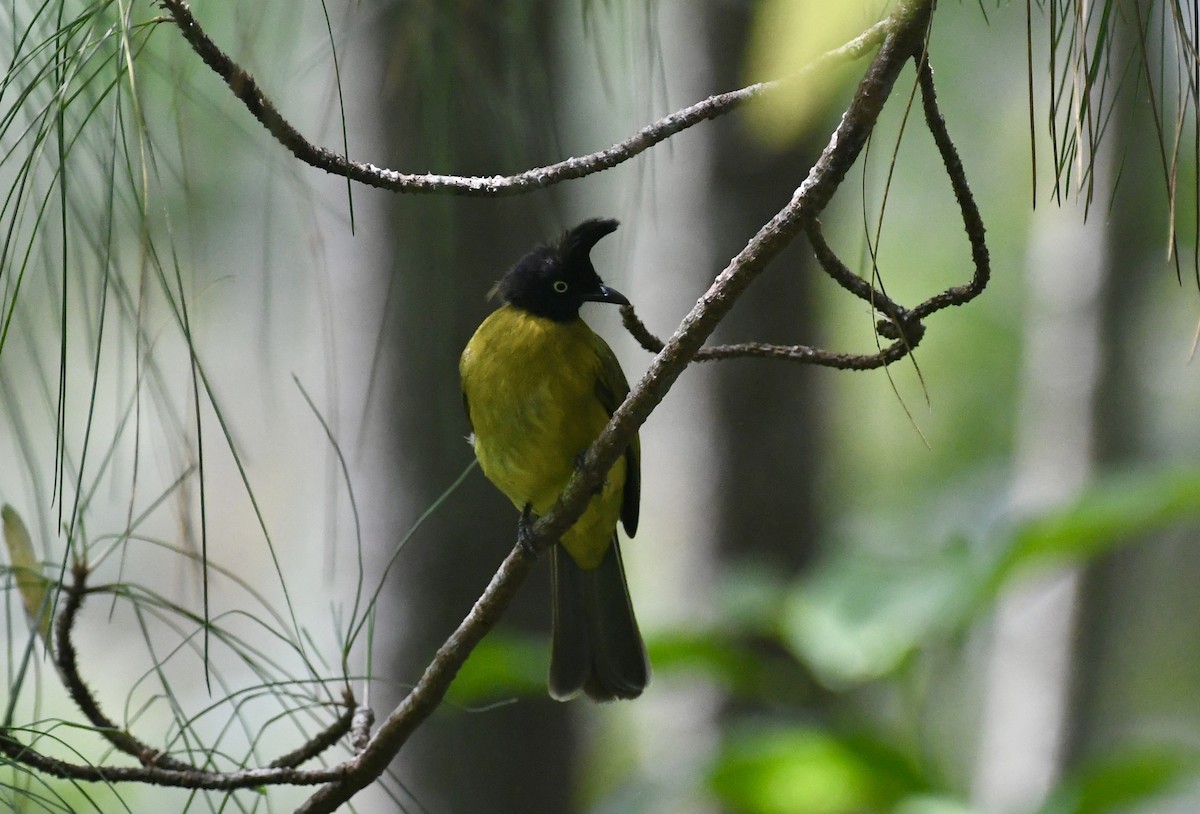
point(743, 654)
point(1115, 782)
point(933, 804)
point(859, 617)
point(744, 664)
point(781, 771)
point(504, 664)
point(30, 582)
point(711, 652)
point(1116, 509)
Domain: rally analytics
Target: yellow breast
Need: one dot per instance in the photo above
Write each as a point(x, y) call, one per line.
point(531, 389)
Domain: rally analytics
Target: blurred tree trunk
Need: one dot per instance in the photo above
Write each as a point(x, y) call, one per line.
point(673, 558)
point(477, 101)
point(744, 435)
point(1026, 703)
point(768, 432)
point(763, 417)
point(1135, 660)
point(1082, 655)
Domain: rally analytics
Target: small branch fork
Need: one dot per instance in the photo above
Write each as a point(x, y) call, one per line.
point(899, 38)
point(902, 325)
point(156, 767)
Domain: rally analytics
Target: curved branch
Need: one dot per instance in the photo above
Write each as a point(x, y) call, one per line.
point(972, 220)
point(157, 767)
point(65, 659)
point(906, 30)
point(325, 739)
point(903, 326)
point(246, 88)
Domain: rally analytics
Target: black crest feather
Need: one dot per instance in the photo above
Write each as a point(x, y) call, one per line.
point(554, 281)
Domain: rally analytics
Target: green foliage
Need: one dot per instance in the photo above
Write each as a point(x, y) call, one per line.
point(1116, 510)
point(778, 771)
point(1118, 781)
point(862, 619)
point(787, 37)
point(30, 583)
point(859, 617)
point(504, 665)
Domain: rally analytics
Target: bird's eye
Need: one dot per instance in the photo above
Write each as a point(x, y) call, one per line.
point(559, 286)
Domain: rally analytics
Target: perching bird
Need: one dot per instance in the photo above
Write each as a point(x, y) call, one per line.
point(539, 386)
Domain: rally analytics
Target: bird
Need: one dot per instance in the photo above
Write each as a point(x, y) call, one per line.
point(539, 386)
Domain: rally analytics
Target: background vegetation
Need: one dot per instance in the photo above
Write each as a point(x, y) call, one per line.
point(961, 584)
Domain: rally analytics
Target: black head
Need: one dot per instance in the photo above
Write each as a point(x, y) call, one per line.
point(554, 281)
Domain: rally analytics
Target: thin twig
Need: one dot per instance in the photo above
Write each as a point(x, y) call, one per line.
point(902, 325)
point(972, 220)
point(323, 740)
point(803, 354)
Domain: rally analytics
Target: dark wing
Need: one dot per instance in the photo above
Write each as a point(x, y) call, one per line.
point(611, 390)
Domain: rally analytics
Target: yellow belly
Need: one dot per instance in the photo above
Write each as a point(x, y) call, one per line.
point(530, 385)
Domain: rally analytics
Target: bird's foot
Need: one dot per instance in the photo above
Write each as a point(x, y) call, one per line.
point(525, 531)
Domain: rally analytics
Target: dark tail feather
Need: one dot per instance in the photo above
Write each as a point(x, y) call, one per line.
point(596, 647)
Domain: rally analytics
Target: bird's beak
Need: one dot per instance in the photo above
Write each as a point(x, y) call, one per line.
point(605, 294)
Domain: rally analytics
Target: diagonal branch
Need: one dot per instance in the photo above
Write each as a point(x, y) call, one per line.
point(902, 325)
point(906, 31)
point(246, 88)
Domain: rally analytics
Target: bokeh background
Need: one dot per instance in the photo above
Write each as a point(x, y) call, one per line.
point(965, 584)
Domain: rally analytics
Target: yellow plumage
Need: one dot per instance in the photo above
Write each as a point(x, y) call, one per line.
point(539, 412)
point(539, 387)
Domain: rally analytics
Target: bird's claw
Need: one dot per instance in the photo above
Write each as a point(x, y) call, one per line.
point(525, 531)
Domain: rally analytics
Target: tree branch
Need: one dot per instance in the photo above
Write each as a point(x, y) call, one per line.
point(900, 37)
point(903, 326)
point(157, 767)
point(804, 354)
point(972, 220)
point(905, 37)
point(183, 778)
point(323, 740)
point(246, 88)
point(65, 659)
